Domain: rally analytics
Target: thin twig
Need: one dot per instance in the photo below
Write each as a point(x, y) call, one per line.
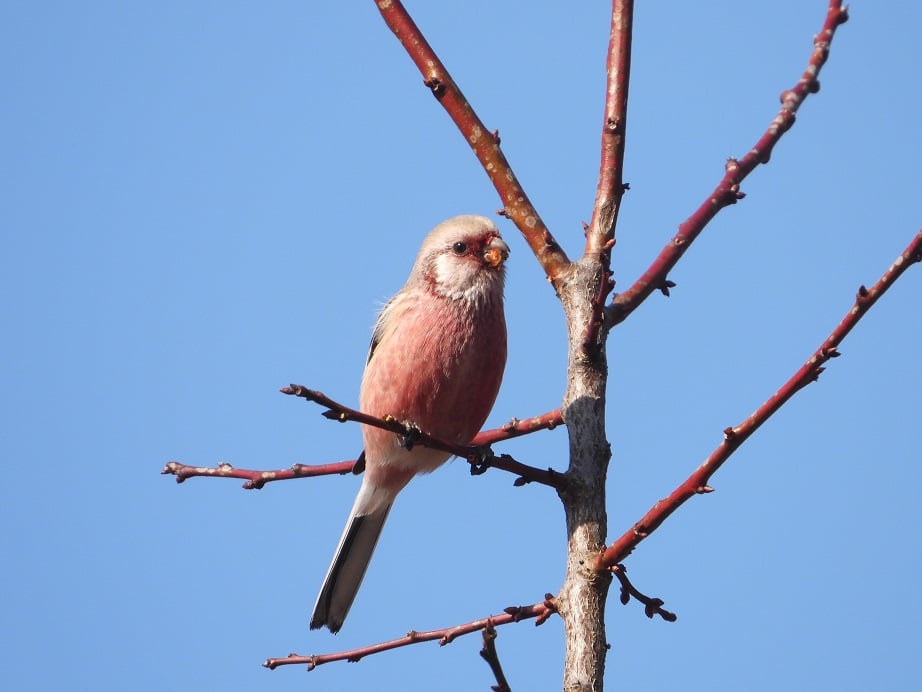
point(516, 205)
point(518, 427)
point(594, 337)
point(652, 606)
point(728, 191)
point(255, 478)
point(489, 654)
point(697, 483)
point(540, 611)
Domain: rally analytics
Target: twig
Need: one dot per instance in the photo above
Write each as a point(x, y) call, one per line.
point(697, 483)
point(518, 427)
point(652, 606)
point(478, 453)
point(256, 479)
point(489, 654)
point(540, 611)
point(516, 205)
point(728, 191)
point(593, 337)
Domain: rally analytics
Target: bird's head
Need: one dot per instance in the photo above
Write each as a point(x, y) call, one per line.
point(463, 258)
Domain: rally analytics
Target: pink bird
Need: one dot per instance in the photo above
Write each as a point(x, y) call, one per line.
point(438, 351)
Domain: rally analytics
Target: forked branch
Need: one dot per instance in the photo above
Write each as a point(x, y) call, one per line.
point(600, 233)
point(697, 483)
point(516, 205)
point(652, 605)
point(728, 191)
point(478, 453)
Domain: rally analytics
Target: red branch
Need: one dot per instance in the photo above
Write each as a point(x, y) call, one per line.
point(600, 233)
point(728, 191)
point(540, 611)
point(516, 205)
point(733, 437)
point(517, 428)
point(477, 453)
point(614, 126)
point(256, 479)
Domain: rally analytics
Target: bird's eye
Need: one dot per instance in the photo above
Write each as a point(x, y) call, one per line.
point(459, 248)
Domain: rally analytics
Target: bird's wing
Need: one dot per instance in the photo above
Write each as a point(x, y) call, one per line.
point(378, 330)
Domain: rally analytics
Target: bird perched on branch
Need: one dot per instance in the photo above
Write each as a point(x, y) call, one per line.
point(438, 351)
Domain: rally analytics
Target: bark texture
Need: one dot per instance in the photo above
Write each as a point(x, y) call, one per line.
point(581, 600)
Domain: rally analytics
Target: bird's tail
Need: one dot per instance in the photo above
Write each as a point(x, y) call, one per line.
point(349, 564)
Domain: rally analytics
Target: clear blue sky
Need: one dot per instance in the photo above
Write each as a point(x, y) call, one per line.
point(202, 202)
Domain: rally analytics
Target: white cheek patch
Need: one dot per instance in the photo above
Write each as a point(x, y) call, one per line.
point(446, 268)
point(458, 277)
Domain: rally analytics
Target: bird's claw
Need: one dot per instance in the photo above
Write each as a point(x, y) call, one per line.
point(480, 460)
point(410, 437)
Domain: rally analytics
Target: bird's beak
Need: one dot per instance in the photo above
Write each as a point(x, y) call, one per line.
point(496, 253)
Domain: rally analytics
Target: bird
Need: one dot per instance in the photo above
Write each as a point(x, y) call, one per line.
point(436, 362)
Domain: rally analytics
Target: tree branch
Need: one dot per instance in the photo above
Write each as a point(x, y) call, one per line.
point(489, 654)
point(517, 428)
point(611, 188)
point(600, 233)
point(478, 453)
point(540, 611)
point(516, 205)
point(256, 479)
point(652, 606)
point(697, 483)
point(728, 191)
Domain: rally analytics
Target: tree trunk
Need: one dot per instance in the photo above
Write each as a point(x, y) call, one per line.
point(581, 600)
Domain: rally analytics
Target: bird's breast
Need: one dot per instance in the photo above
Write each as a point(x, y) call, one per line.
point(438, 366)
